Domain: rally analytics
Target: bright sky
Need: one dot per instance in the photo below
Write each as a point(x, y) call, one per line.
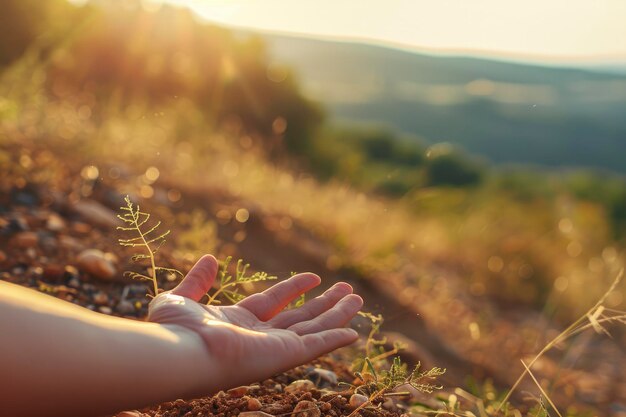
point(554, 29)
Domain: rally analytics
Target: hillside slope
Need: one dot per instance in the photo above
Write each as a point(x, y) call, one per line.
point(506, 112)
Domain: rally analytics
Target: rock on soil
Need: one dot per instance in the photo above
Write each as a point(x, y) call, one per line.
point(96, 263)
point(25, 240)
point(306, 409)
point(96, 213)
point(254, 404)
point(322, 377)
point(55, 223)
point(238, 392)
point(356, 400)
point(299, 386)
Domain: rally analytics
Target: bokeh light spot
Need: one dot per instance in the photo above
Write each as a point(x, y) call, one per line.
point(90, 172)
point(561, 284)
point(279, 125)
point(566, 225)
point(474, 330)
point(242, 215)
point(495, 264)
point(574, 249)
point(152, 174)
point(146, 191)
point(173, 195)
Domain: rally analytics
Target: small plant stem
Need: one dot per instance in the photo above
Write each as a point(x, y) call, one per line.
point(380, 357)
point(219, 290)
point(562, 335)
point(581, 329)
point(571, 330)
point(151, 255)
point(385, 355)
point(556, 410)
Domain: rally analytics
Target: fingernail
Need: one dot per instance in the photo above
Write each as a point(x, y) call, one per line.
point(352, 332)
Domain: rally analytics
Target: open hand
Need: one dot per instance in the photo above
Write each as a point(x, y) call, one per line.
point(255, 339)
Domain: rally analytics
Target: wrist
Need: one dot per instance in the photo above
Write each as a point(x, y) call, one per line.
point(194, 365)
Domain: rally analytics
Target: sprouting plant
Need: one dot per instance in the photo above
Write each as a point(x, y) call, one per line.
point(375, 351)
point(147, 238)
point(379, 378)
point(380, 384)
point(398, 375)
point(229, 284)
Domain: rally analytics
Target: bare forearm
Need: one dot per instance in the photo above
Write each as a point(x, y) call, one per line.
point(61, 359)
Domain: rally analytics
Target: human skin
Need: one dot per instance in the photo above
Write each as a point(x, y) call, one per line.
point(60, 359)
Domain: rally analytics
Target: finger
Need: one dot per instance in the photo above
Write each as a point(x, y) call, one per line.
point(323, 342)
point(271, 301)
point(199, 279)
point(338, 316)
point(312, 308)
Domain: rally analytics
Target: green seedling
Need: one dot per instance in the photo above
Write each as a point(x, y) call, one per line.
point(147, 238)
point(229, 284)
point(375, 351)
point(379, 378)
point(385, 383)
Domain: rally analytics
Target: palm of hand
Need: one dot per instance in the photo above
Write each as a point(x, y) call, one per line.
point(255, 333)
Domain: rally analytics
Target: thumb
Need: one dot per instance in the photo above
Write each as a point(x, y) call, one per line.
point(199, 279)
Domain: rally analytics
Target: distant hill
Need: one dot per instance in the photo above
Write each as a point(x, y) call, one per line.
point(506, 112)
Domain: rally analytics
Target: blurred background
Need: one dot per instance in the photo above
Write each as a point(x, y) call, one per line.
point(461, 163)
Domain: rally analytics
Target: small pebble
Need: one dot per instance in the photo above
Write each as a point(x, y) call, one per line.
point(68, 242)
point(3, 256)
point(306, 409)
point(49, 243)
point(71, 271)
point(389, 405)
point(125, 307)
point(94, 262)
point(73, 282)
point(18, 270)
point(322, 377)
point(55, 223)
point(100, 298)
point(105, 310)
point(25, 240)
point(299, 385)
point(254, 404)
point(96, 213)
point(80, 227)
point(238, 392)
point(53, 271)
point(357, 400)
point(16, 224)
